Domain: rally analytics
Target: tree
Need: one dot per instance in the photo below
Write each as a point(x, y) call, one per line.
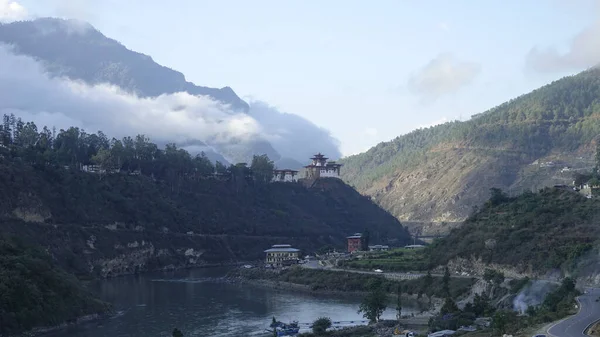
point(426, 286)
point(399, 303)
point(220, 168)
point(364, 240)
point(497, 196)
point(321, 325)
point(449, 307)
point(493, 276)
point(446, 282)
point(481, 305)
point(203, 166)
point(504, 321)
point(103, 159)
point(262, 169)
point(374, 304)
point(177, 333)
point(597, 157)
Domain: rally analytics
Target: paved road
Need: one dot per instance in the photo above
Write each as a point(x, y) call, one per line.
point(589, 312)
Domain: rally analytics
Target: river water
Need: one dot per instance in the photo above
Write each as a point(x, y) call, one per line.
point(199, 304)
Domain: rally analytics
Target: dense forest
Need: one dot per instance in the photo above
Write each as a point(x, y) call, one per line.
point(553, 229)
point(34, 292)
point(76, 149)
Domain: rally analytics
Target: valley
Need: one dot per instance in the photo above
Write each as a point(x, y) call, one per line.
point(136, 202)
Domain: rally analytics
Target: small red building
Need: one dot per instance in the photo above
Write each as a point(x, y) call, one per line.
point(354, 242)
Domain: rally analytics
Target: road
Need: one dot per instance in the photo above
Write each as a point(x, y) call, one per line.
point(389, 275)
point(575, 326)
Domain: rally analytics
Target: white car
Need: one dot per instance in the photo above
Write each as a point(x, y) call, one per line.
point(378, 271)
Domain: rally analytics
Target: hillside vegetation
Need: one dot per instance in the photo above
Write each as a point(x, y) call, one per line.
point(35, 293)
point(534, 232)
point(439, 173)
point(150, 208)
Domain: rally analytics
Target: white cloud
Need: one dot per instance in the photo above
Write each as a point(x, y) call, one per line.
point(29, 92)
point(12, 11)
point(443, 75)
point(293, 136)
point(583, 51)
point(26, 89)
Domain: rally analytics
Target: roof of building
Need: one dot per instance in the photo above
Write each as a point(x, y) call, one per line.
point(283, 250)
point(285, 170)
point(379, 246)
point(355, 236)
point(414, 246)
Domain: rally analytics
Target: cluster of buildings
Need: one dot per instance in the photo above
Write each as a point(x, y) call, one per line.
point(355, 244)
point(320, 167)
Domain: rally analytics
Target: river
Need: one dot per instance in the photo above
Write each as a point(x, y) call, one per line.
point(200, 305)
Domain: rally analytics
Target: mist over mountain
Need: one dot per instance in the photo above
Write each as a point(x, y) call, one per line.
point(79, 77)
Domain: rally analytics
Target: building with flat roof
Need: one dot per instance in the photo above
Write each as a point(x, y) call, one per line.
point(285, 176)
point(354, 242)
point(280, 255)
point(378, 248)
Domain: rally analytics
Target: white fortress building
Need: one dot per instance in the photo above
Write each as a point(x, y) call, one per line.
point(321, 168)
point(285, 176)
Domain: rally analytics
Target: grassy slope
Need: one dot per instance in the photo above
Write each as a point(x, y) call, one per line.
point(440, 173)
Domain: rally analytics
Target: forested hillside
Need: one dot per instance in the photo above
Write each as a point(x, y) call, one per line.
point(535, 233)
point(439, 173)
point(143, 208)
point(35, 293)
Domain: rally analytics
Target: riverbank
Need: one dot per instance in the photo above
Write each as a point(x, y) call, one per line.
point(338, 281)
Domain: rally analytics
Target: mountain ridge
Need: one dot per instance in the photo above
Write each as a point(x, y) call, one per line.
point(438, 174)
point(92, 47)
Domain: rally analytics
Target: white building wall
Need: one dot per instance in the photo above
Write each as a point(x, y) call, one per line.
point(287, 178)
point(329, 173)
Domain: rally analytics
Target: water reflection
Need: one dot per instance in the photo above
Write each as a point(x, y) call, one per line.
point(199, 305)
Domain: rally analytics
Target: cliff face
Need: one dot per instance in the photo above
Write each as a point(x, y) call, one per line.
point(122, 224)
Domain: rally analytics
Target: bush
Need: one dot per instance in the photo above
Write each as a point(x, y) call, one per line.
point(321, 325)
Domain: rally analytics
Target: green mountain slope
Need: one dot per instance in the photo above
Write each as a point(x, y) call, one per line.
point(160, 209)
point(439, 174)
point(534, 233)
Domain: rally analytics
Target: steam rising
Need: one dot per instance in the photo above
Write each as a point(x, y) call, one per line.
point(532, 295)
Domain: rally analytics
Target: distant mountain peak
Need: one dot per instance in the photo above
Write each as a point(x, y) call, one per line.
point(76, 49)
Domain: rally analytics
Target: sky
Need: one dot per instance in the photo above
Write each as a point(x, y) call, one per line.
point(366, 71)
